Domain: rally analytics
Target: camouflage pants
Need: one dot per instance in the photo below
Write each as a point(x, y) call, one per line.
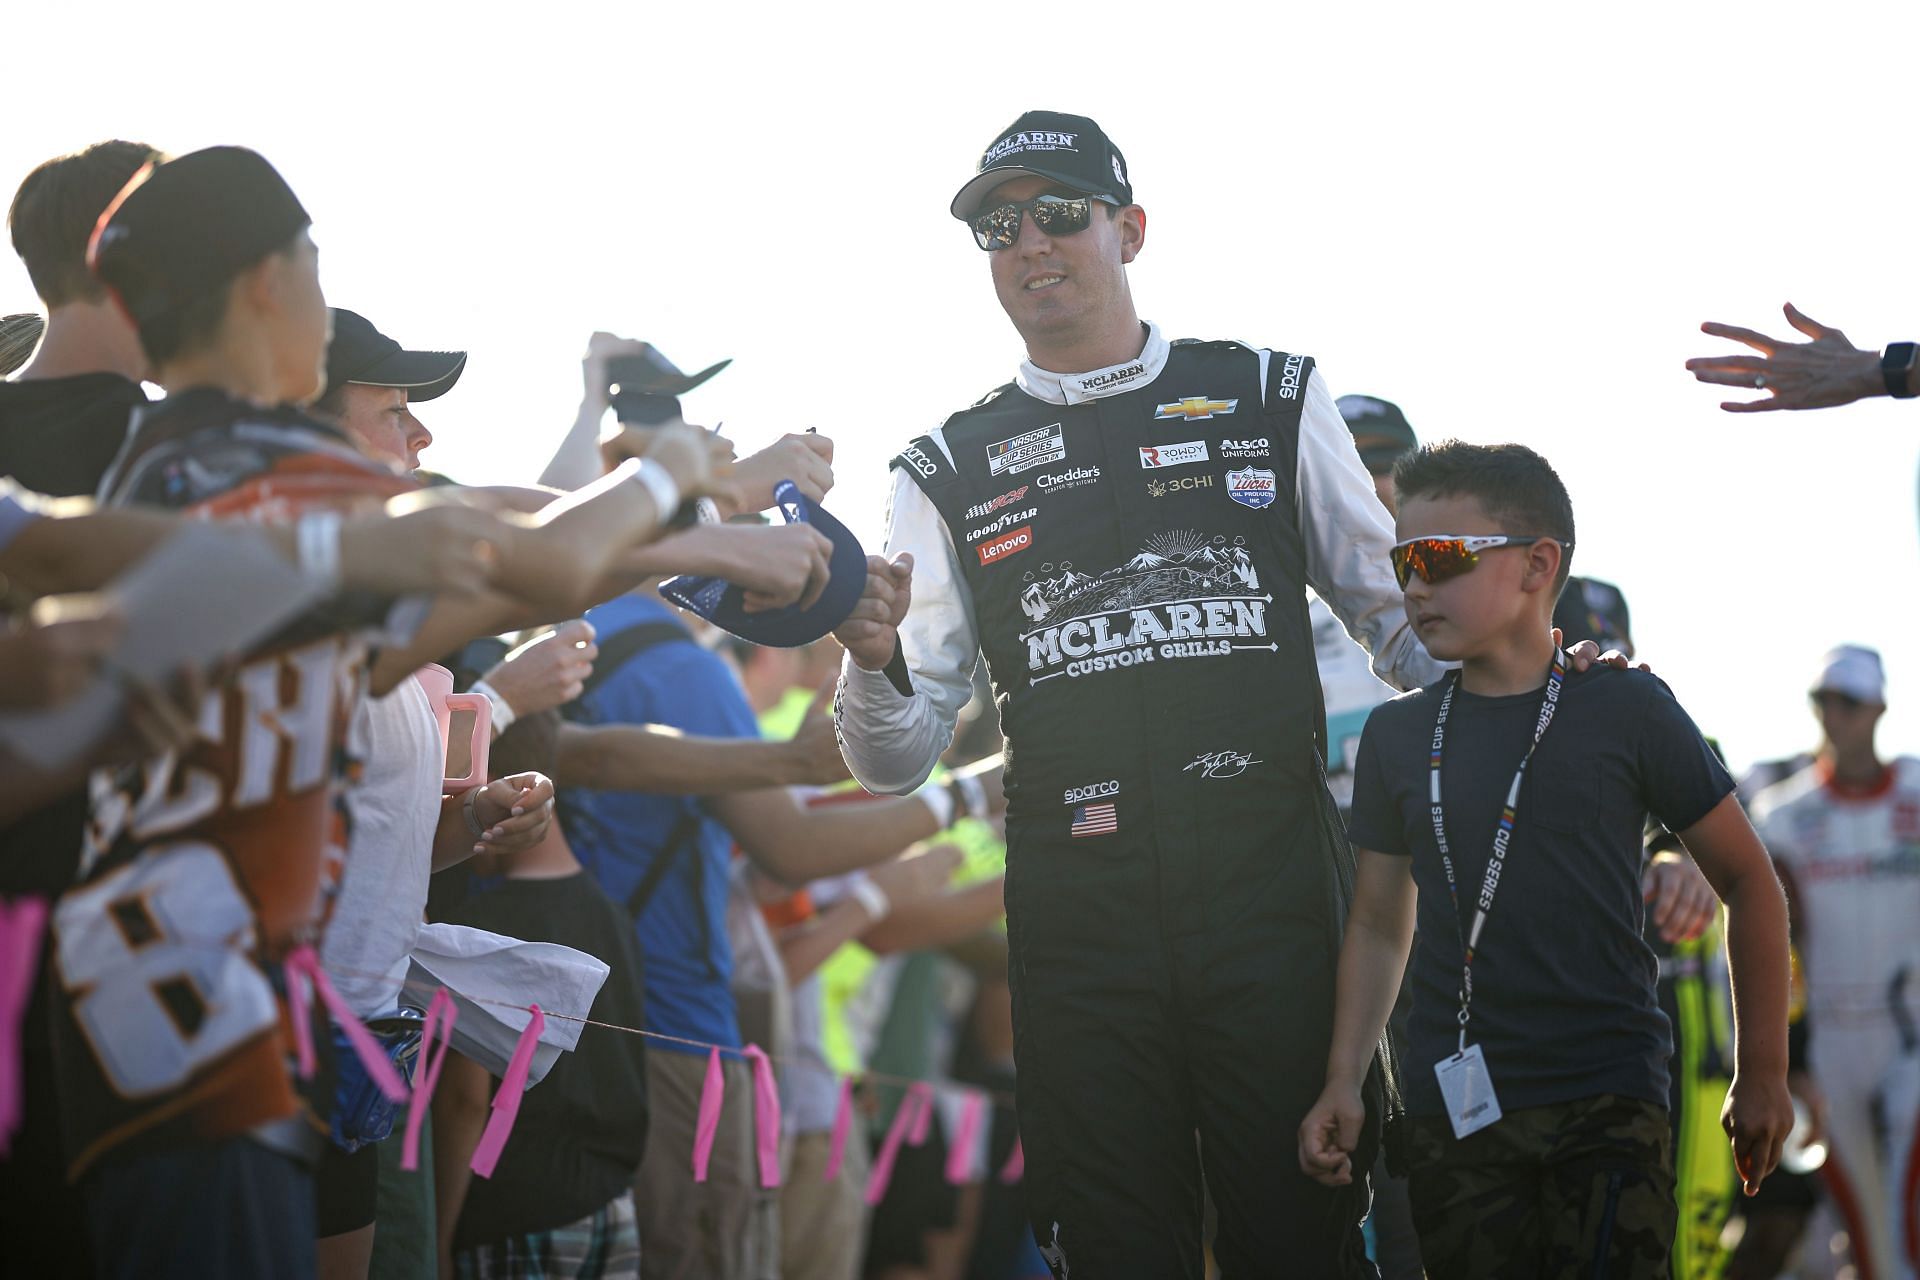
point(1576, 1189)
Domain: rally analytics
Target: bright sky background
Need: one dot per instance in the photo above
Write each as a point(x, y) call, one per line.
point(1508, 218)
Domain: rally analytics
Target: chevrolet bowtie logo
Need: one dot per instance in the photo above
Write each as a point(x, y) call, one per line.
point(1196, 407)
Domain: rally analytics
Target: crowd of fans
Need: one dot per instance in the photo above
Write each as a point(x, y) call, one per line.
point(400, 881)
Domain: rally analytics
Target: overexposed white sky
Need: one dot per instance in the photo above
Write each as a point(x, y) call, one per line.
point(1510, 219)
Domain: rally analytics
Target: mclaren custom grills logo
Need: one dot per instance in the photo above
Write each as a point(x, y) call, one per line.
point(1184, 596)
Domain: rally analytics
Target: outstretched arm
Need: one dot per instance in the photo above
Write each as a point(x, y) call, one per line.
point(1822, 373)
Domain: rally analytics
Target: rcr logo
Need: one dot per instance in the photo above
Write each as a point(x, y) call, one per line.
point(919, 461)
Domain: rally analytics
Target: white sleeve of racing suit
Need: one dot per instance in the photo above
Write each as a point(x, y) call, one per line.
point(1347, 536)
point(892, 742)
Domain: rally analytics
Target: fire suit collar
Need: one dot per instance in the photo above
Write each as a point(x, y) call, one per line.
point(1078, 388)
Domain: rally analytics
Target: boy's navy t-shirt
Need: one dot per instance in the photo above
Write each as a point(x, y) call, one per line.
point(1564, 1003)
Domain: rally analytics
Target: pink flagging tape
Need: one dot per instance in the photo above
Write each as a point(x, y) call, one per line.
point(304, 963)
point(766, 1116)
point(21, 924)
point(842, 1124)
point(923, 1118)
point(712, 1093)
point(1016, 1166)
point(960, 1150)
point(506, 1100)
point(426, 1075)
point(903, 1120)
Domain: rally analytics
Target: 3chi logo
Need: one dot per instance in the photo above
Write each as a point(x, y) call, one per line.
point(1157, 488)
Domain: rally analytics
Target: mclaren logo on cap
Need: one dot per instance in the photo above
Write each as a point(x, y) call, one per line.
point(1196, 407)
point(1037, 140)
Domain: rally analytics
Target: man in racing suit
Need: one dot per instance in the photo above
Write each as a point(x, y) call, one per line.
point(1129, 546)
point(1845, 833)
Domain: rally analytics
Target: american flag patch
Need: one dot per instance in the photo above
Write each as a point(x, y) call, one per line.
point(1094, 820)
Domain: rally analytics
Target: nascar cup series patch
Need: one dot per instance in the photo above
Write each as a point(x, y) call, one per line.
point(1251, 487)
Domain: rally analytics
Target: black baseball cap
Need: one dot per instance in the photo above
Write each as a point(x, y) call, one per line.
point(361, 353)
point(724, 605)
point(649, 373)
point(1589, 609)
point(1381, 424)
point(1070, 150)
point(181, 229)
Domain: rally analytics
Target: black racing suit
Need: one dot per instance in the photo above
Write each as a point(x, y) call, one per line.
point(1177, 875)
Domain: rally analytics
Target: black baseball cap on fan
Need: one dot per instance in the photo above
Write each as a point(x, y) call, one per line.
point(1070, 150)
point(184, 228)
point(361, 353)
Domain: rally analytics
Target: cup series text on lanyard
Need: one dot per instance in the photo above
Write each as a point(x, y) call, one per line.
point(1502, 836)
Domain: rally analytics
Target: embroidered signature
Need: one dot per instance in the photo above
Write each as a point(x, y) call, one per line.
point(1223, 764)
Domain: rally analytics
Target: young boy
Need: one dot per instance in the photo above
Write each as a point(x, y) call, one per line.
point(1537, 1077)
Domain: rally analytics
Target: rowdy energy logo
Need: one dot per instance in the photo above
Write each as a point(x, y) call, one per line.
point(1026, 451)
point(1183, 596)
point(1172, 455)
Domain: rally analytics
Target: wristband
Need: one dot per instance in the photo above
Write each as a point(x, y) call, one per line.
point(896, 671)
point(1896, 368)
point(972, 797)
point(660, 486)
point(503, 713)
point(939, 802)
point(473, 817)
point(871, 897)
point(316, 537)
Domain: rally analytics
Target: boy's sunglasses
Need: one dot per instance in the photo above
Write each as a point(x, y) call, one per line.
point(997, 228)
point(1436, 559)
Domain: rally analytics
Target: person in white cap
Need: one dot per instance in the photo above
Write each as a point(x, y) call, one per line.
point(1845, 833)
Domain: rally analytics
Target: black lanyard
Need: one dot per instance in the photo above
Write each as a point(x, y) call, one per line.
point(1502, 836)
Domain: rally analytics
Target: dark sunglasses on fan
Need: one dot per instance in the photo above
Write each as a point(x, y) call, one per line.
point(1444, 556)
point(999, 227)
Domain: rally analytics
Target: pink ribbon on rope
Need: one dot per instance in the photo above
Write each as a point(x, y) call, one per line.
point(21, 924)
point(1016, 1166)
point(960, 1150)
point(842, 1123)
point(506, 1099)
point(766, 1116)
point(303, 963)
point(911, 1117)
point(426, 1075)
point(712, 1093)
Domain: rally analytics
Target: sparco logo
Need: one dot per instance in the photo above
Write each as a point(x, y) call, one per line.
point(1112, 377)
point(1290, 377)
point(1007, 520)
point(1038, 140)
point(1071, 478)
point(1246, 448)
point(1172, 455)
point(1161, 488)
point(1002, 547)
point(979, 509)
point(1092, 791)
point(918, 461)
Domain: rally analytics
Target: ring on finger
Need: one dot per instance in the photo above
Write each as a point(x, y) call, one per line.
point(1759, 382)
